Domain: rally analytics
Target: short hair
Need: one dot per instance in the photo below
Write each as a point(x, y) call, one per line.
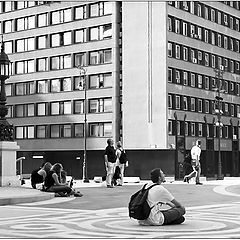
point(109, 141)
point(198, 142)
point(47, 166)
point(119, 144)
point(155, 174)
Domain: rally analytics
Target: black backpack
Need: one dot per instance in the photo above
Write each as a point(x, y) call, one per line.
point(138, 206)
point(123, 157)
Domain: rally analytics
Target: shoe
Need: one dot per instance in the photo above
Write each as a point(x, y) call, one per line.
point(109, 186)
point(119, 185)
point(186, 179)
point(78, 194)
point(199, 183)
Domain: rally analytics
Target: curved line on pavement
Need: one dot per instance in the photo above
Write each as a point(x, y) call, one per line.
point(222, 190)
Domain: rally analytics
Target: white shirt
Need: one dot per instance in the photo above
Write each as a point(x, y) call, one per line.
point(195, 152)
point(158, 196)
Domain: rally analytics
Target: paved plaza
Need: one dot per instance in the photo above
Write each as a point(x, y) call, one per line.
point(213, 211)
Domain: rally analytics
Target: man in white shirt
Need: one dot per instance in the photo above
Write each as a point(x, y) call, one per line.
point(165, 209)
point(195, 162)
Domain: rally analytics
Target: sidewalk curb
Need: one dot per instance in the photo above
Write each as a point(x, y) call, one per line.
point(26, 199)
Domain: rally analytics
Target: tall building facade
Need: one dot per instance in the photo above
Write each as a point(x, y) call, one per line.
point(150, 82)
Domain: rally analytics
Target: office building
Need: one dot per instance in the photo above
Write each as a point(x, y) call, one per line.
point(150, 82)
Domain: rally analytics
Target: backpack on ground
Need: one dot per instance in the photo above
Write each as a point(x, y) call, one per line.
point(123, 157)
point(138, 206)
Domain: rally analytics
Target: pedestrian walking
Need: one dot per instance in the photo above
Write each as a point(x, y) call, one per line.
point(195, 162)
point(165, 209)
point(121, 161)
point(110, 162)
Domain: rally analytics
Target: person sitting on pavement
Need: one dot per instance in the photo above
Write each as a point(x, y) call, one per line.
point(53, 183)
point(165, 209)
point(39, 175)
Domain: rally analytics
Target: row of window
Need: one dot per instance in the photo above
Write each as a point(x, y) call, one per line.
point(8, 6)
point(233, 4)
point(56, 17)
point(59, 39)
point(209, 13)
point(201, 33)
point(44, 64)
point(203, 58)
point(198, 129)
point(197, 80)
point(95, 81)
point(100, 105)
point(194, 104)
point(67, 130)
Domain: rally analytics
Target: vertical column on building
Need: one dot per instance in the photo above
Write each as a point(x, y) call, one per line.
point(116, 21)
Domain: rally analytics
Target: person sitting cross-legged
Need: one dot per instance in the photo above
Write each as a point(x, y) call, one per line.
point(53, 183)
point(165, 209)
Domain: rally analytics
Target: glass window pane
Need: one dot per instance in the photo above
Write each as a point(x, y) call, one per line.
point(19, 132)
point(41, 131)
point(42, 86)
point(94, 10)
point(78, 106)
point(8, 47)
point(55, 131)
point(30, 66)
point(79, 36)
point(94, 33)
point(67, 61)
point(55, 108)
point(19, 110)
point(8, 89)
point(107, 56)
point(79, 12)
point(107, 105)
point(93, 106)
point(20, 24)
point(55, 63)
point(42, 20)
point(55, 85)
point(55, 40)
point(41, 109)
point(93, 81)
point(66, 82)
point(67, 130)
point(42, 42)
point(107, 129)
point(41, 64)
point(67, 38)
point(20, 45)
point(55, 17)
point(108, 80)
point(78, 130)
point(19, 89)
point(30, 44)
point(30, 110)
point(67, 108)
point(107, 8)
point(67, 15)
point(31, 22)
point(30, 132)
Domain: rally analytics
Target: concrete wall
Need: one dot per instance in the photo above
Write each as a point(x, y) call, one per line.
point(144, 75)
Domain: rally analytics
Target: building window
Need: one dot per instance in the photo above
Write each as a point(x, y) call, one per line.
point(100, 9)
point(8, 26)
point(178, 80)
point(24, 132)
point(207, 106)
point(185, 103)
point(185, 29)
point(200, 129)
point(206, 83)
point(199, 105)
point(42, 64)
point(54, 131)
point(178, 102)
point(177, 26)
point(100, 129)
point(170, 127)
point(100, 57)
point(60, 62)
point(41, 131)
point(66, 130)
point(169, 101)
point(42, 86)
point(42, 20)
point(193, 81)
point(170, 50)
point(19, 110)
point(206, 37)
point(78, 83)
point(80, 12)
point(192, 129)
point(100, 80)
point(42, 42)
point(41, 109)
point(61, 16)
point(78, 106)
point(78, 130)
point(177, 53)
point(170, 24)
point(24, 66)
point(8, 47)
point(61, 39)
point(80, 36)
point(80, 59)
point(185, 78)
point(101, 32)
point(8, 89)
point(185, 54)
point(200, 81)
point(25, 23)
point(192, 104)
point(100, 105)
point(55, 85)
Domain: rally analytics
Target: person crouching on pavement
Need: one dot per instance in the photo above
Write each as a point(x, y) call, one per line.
point(165, 209)
point(53, 183)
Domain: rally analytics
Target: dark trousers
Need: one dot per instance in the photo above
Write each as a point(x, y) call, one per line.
point(58, 188)
point(174, 216)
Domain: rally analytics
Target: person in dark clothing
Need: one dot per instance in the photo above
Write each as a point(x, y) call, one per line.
point(38, 175)
point(110, 162)
point(53, 183)
point(187, 164)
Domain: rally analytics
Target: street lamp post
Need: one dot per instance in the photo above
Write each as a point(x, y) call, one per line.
point(219, 112)
point(83, 73)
